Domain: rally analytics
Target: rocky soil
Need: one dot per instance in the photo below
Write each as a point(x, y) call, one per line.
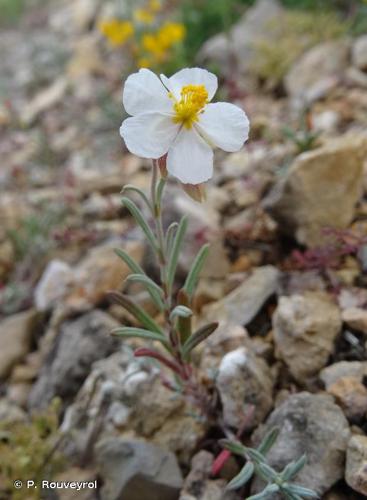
point(286, 277)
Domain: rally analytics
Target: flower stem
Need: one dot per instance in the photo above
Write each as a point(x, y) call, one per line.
point(190, 385)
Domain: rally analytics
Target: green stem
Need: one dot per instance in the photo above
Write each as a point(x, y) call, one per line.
point(188, 378)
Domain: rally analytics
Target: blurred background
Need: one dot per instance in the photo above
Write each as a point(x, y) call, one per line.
point(298, 68)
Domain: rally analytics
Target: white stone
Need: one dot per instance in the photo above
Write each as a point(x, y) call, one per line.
point(53, 285)
point(359, 53)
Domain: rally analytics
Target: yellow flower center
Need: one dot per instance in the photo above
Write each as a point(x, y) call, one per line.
point(192, 102)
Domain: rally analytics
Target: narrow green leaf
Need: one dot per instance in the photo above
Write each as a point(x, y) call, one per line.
point(128, 332)
point(301, 491)
point(293, 468)
point(160, 188)
point(139, 218)
point(198, 337)
point(267, 471)
point(255, 455)
point(129, 261)
point(242, 478)
point(155, 291)
point(196, 268)
point(269, 490)
point(181, 312)
point(176, 248)
point(234, 446)
point(143, 317)
point(268, 441)
point(134, 189)
point(171, 231)
point(136, 269)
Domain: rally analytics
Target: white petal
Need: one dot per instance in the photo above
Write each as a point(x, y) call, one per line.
point(190, 158)
point(191, 76)
point(224, 125)
point(149, 135)
point(144, 93)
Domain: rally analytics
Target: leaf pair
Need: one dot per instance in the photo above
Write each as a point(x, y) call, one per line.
point(139, 276)
point(256, 464)
point(152, 330)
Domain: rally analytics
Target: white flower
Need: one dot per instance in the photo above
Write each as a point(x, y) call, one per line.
point(173, 115)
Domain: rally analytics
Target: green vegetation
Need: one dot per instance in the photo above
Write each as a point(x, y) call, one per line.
point(33, 236)
point(308, 22)
point(10, 11)
point(32, 240)
point(26, 449)
point(295, 32)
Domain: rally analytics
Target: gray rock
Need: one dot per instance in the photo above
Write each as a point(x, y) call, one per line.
point(135, 470)
point(242, 39)
point(46, 294)
point(99, 272)
point(128, 396)
point(305, 328)
point(355, 76)
point(312, 424)
point(39, 61)
point(198, 486)
point(241, 305)
point(16, 334)
point(320, 189)
point(359, 53)
point(345, 381)
point(244, 380)
point(335, 372)
point(79, 344)
point(10, 412)
point(356, 466)
point(317, 70)
point(356, 318)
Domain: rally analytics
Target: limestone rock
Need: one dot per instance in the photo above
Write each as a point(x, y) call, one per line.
point(251, 28)
point(134, 401)
point(359, 53)
point(79, 343)
point(244, 380)
point(305, 328)
point(134, 470)
point(226, 338)
point(320, 189)
point(198, 486)
point(312, 424)
point(44, 100)
point(80, 475)
point(319, 68)
point(10, 412)
point(244, 302)
point(15, 337)
point(53, 285)
point(345, 381)
point(356, 318)
point(180, 434)
point(356, 466)
point(100, 272)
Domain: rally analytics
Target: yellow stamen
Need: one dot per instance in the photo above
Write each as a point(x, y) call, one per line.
point(192, 102)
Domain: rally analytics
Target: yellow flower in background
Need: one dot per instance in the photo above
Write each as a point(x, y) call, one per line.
point(144, 16)
point(117, 32)
point(171, 33)
point(155, 5)
point(158, 44)
point(151, 44)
